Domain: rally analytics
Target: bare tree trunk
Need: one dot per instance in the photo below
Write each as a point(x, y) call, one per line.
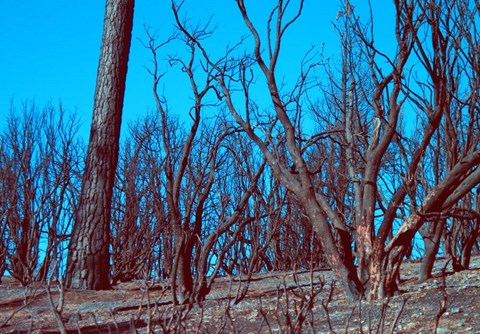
point(88, 263)
point(181, 276)
point(469, 243)
point(431, 235)
point(341, 266)
point(372, 135)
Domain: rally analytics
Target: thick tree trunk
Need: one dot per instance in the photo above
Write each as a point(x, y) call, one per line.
point(431, 235)
point(469, 243)
point(182, 277)
point(88, 263)
point(461, 248)
point(167, 260)
point(342, 266)
point(384, 272)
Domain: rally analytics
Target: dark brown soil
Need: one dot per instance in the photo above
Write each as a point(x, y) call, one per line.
point(274, 303)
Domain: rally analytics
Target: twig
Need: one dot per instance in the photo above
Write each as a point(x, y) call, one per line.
point(114, 320)
point(443, 301)
point(26, 302)
point(265, 319)
point(395, 322)
point(57, 309)
point(325, 306)
point(383, 315)
point(347, 325)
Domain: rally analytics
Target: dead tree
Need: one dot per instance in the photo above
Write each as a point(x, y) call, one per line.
point(372, 139)
point(88, 264)
point(39, 164)
point(137, 218)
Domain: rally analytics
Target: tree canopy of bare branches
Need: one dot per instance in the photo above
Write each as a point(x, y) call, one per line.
point(349, 165)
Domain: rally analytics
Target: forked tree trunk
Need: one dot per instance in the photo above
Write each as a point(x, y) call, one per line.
point(431, 235)
point(384, 272)
point(88, 263)
point(342, 266)
point(470, 242)
point(182, 276)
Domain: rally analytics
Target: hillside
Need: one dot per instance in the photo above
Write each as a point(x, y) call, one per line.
point(133, 307)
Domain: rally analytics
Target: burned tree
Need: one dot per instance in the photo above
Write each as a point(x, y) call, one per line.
point(429, 39)
point(89, 258)
point(39, 166)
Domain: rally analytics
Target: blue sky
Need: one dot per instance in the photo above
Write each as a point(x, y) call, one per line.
point(50, 48)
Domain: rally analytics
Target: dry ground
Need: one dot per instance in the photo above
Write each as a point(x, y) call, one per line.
point(274, 303)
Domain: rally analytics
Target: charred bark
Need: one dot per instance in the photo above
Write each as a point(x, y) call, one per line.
point(431, 238)
point(88, 263)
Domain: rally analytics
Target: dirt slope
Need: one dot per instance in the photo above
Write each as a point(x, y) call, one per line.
point(275, 302)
